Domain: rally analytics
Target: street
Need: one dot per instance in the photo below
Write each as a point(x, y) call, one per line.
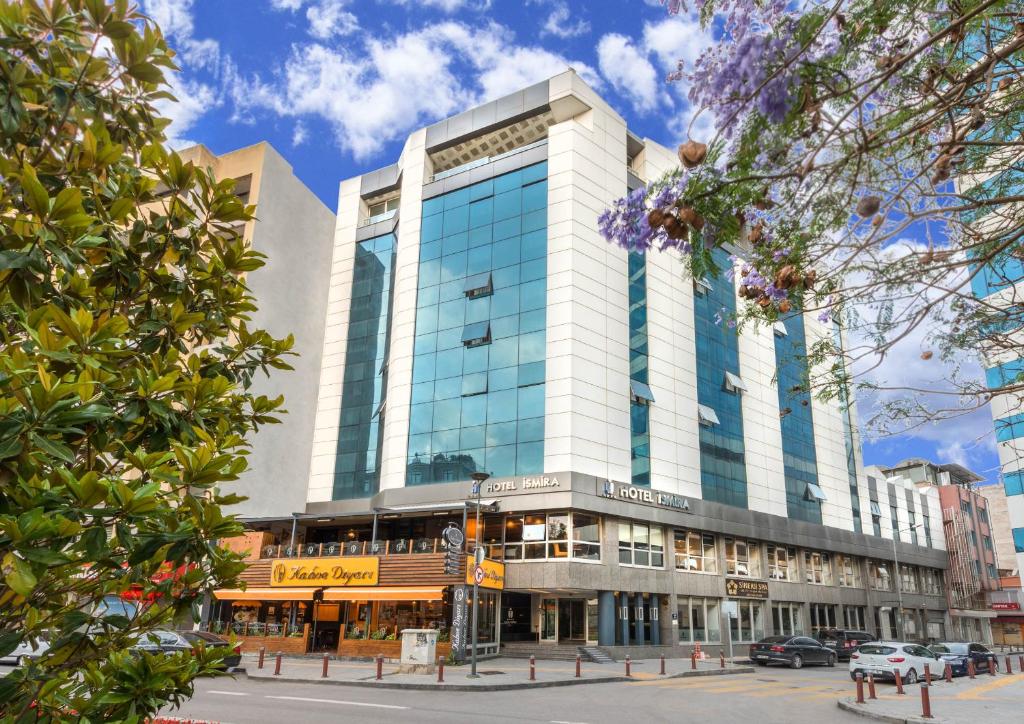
point(769, 696)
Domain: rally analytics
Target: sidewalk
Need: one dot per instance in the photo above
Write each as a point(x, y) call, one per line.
point(988, 698)
point(495, 674)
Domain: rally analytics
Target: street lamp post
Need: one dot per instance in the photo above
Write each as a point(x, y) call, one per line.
point(896, 579)
point(478, 484)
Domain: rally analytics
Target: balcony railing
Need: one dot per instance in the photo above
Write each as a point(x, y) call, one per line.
point(379, 217)
point(397, 547)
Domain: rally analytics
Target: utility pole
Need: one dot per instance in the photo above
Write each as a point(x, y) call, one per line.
point(478, 484)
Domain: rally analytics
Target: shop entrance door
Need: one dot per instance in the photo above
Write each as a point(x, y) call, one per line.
point(572, 619)
point(549, 619)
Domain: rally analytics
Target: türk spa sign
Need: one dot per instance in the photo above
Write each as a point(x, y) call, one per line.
point(631, 493)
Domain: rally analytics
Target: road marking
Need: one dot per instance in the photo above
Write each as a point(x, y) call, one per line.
point(558, 721)
point(979, 689)
point(228, 693)
point(337, 701)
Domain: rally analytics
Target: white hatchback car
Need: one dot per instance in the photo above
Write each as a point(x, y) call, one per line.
point(884, 658)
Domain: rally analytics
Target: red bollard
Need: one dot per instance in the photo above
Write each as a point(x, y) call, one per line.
point(693, 659)
point(577, 666)
point(533, 668)
point(970, 668)
point(323, 674)
point(1009, 666)
point(721, 659)
point(871, 686)
point(927, 675)
point(948, 674)
point(860, 688)
point(628, 662)
point(663, 664)
point(380, 667)
point(263, 651)
point(992, 665)
point(1020, 664)
point(926, 704)
point(440, 670)
point(277, 665)
point(899, 680)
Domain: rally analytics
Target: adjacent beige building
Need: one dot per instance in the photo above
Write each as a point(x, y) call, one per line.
point(1002, 537)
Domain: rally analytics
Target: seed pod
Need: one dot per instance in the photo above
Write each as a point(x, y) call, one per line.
point(688, 216)
point(877, 221)
point(926, 355)
point(786, 277)
point(693, 153)
point(785, 306)
point(674, 228)
point(785, 411)
point(764, 302)
point(756, 234)
point(809, 279)
point(868, 206)
point(743, 291)
point(656, 218)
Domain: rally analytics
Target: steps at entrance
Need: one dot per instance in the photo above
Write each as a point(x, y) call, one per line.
point(543, 652)
point(596, 655)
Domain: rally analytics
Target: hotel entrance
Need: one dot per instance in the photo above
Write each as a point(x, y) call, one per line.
point(568, 620)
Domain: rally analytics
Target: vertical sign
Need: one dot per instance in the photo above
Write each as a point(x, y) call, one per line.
point(458, 636)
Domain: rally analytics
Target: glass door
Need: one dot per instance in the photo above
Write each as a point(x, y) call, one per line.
point(549, 619)
point(592, 622)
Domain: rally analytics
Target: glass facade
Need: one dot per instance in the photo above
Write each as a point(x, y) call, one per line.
point(723, 474)
point(478, 371)
point(639, 413)
point(357, 465)
point(798, 451)
point(851, 453)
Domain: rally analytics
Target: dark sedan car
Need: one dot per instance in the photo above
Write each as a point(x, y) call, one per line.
point(958, 654)
point(213, 641)
point(793, 650)
point(843, 641)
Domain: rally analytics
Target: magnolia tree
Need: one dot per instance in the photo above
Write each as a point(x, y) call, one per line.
point(867, 166)
point(125, 366)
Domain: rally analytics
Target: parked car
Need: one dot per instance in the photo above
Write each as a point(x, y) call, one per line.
point(843, 641)
point(792, 650)
point(26, 650)
point(161, 641)
point(884, 658)
point(957, 655)
point(213, 641)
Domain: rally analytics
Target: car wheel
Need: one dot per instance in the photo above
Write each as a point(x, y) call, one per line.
point(831, 661)
point(796, 662)
point(762, 663)
point(911, 677)
point(853, 675)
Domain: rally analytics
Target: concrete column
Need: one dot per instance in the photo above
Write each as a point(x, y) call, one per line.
point(624, 612)
point(654, 612)
point(605, 618)
point(638, 603)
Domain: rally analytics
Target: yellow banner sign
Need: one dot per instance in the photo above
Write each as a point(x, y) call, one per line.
point(348, 571)
point(493, 574)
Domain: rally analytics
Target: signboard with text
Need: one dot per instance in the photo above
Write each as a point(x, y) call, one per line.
point(347, 571)
point(1006, 606)
point(459, 617)
point(493, 575)
point(745, 588)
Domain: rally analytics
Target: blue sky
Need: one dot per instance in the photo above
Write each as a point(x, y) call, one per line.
point(336, 85)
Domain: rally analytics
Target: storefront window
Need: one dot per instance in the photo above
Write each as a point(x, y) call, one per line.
point(742, 558)
point(880, 578)
point(854, 618)
point(908, 580)
point(748, 626)
point(823, 616)
point(699, 620)
point(781, 563)
point(641, 545)
point(818, 568)
point(849, 571)
point(786, 620)
point(586, 537)
point(552, 536)
point(695, 552)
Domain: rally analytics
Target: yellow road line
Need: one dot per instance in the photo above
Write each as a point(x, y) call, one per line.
point(978, 690)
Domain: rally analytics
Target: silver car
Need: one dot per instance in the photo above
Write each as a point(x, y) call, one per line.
point(26, 650)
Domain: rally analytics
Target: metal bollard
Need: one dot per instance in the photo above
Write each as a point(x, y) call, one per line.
point(721, 659)
point(970, 668)
point(323, 674)
point(577, 666)
point(693, 659)
point(628, 663)
point(991, 665)
point(926, 704)
point(533, 668)
point(871, 686)
point(263, 651)
point(662, 664)
point(860, 688)
point(1009, 666)
point(440, 670)
point(899, 680)
point(948, 674)
point(380, 667)
point(277, 665)
point(927, 675)
point(1020, 663)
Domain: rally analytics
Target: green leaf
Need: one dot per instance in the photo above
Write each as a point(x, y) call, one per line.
point(21, 579)
point(9, 641)
point(68, 201)
point(146, 72)
point(53, 448)
point(35, 194)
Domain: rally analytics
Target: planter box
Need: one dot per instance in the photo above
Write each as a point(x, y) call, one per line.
point(370, 648)
point(284, 644)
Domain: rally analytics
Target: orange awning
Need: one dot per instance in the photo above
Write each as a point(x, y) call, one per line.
point(392, 593)
point(265, 594)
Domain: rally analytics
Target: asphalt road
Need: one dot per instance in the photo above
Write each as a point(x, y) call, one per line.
point(768, 696)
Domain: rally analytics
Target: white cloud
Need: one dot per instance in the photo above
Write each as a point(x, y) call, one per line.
point(291, 5)
point(558, 22)
point(329, 18)
point(379, 92)
point(299, 134)
point(630, 73)
point(173, 16)
point(676, 38)
point(448, 6)
point(194, 100)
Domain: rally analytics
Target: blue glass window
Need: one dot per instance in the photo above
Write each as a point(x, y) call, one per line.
point(1004, 374)
point(639, 414)
point(1018, 540)
point(1013, 482)
point(1010, 428)
point(478, 369)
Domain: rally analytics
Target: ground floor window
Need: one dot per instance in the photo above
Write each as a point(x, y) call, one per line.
point(886, 628)
point(748, 625)
point(823, 616)
point(786, 620)
point(854, 618)
point(936, 629)
point(699, 620)
point(909, 623)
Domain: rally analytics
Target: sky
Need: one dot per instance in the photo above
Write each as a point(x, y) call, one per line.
point(336, 86)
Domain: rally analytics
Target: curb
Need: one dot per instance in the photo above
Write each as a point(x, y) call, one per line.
point(851, 706)
point(494, 687)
